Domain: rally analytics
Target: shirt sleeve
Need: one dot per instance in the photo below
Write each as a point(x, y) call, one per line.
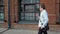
point(44, 19)
point(40, 20)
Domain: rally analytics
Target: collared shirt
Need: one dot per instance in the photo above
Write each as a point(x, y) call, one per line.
point(43, 19)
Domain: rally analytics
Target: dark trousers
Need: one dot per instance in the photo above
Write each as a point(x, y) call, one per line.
point(42, 31)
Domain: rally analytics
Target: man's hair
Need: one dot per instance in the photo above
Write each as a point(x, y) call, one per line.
point(42, 6)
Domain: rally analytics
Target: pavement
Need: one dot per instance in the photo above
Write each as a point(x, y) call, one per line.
point(23, 31)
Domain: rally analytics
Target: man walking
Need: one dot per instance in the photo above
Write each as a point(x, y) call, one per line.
point(43, 20)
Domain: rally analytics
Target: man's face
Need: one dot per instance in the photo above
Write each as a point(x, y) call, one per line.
point(41, 9)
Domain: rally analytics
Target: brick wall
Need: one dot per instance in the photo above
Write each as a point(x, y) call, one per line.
point(57, 9)
point(13, 12)
point(5, 24)
point(51, 7)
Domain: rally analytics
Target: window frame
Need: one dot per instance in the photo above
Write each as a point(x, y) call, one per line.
point(28, 12)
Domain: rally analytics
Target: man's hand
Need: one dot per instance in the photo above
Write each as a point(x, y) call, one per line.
point(37, 14)
point(42, 27)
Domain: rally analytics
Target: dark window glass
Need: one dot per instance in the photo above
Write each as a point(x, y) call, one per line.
point(28, 10)
point(1, 10)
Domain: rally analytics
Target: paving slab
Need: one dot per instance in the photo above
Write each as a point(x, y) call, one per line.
point(14, 31)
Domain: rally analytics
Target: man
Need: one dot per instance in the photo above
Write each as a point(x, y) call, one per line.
point(43, 20)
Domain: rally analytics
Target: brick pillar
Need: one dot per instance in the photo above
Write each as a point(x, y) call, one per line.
point(57, 10)
point(13, 12)
point(16, 10)
point(5, 24)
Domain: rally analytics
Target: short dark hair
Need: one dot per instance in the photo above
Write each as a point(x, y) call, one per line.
point(42, 6)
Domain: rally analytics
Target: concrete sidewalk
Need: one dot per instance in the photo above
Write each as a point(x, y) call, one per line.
point(14, 31)
point(3, 29)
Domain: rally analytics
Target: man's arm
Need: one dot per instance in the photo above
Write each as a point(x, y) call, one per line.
point(45, 19)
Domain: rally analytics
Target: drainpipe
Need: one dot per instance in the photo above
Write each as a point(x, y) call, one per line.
point(9, 23)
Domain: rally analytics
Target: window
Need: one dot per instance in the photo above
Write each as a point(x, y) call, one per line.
point(28, 10)
point(30, 1)
point(1, 11)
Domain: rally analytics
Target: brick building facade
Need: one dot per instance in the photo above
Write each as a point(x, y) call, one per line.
point(52, 6)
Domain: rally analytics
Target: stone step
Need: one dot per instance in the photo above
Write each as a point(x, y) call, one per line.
point(54, 27)
point(35, 27)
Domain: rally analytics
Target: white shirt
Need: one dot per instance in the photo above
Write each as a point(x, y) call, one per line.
point(43, 19)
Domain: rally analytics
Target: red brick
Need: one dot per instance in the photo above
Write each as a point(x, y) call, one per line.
point(51, 7)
